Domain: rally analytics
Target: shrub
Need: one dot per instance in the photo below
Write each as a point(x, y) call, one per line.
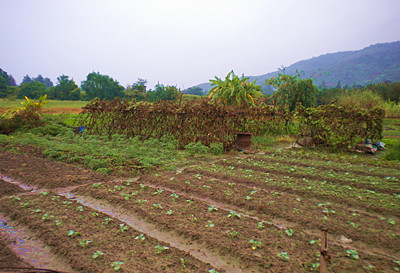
point(360, 99)
point(196, 148)
point(394, 152)
point(217, 148)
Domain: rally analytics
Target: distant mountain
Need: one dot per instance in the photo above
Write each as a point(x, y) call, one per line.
point(376, 63)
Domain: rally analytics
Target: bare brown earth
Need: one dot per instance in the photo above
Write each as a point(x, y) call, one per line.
point(173, 209)
point(53, 110)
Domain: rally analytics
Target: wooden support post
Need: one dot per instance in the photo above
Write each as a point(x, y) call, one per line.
point(325, 258)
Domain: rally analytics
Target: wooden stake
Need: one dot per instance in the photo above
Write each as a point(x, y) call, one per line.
point(325, 258)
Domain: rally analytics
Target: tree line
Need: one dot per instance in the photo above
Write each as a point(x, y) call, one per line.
point(288, 90)
point(96, 85)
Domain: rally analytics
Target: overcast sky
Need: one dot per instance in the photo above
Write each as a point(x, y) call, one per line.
point(183, 42)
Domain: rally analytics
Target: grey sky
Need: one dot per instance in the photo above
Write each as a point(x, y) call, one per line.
point(183, 42)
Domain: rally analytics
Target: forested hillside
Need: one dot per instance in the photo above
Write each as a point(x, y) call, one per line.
point(376, 63)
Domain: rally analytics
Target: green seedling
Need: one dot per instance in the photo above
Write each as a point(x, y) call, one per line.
point(198, 176)
point(143, 187)
point(58, 222)
point(140, 237)
point(157, 206)
point(169, 212)
point(255, 244)
point(289, 232)
point(212, 208)
point(55, 197)
point(232, 233)
point(206, 187)
point(158, 192)
point(160, 249)
point(248, 197)
point(73, 234)
point(24, 205)
point(97, 254)
point(355, 225)
point(352, 254)
point(232, 184)
point(67, 202)
point(118, 188)
point(79, 208)
point(187, 182)
point(96, 185)
point(16, 198)
point(284, 256)
point(84, 243)
point(260, 225)
point(47, 216)
point(233, 214)
point(174, 195)
point(122, 227)
point(117, 265)
point(107, 220)
point(212, 271)
point(44, 193)
point(209, 224)
point(94, 214)
point(36, 211)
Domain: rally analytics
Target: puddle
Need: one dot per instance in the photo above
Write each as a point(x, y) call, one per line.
point(30, 250)
point(18, 183)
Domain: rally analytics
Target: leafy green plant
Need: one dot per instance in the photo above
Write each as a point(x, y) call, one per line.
point(289, 232)
point(97, 254)
point(352, 254)
point(160, 249)
point(233, 214)
point(140, 237)
point(117, 265)
point(255, 244)
point(234, 91)
point(284, 256)
point(73, 234)
point(196, 148)
point(84, 243)
point(122, 227)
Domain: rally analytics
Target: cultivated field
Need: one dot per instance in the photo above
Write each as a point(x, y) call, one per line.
point(259, 211)
point(82, 203)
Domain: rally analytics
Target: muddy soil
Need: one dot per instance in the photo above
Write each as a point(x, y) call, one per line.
point(165, 209)
point(45, 173)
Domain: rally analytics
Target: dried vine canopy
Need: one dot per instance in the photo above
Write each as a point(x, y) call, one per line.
point(187, 122)
point(208, 123)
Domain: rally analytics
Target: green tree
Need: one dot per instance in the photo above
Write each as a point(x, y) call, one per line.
point(66, 89)
point(137, 91)
point(33, 90)
point(235, 91)
point(162, 92)
point(292, 90)
point(5, 81)
point(101, 86)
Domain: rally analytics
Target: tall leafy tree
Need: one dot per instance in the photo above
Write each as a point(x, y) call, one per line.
point(101, 86)
point(66, 89)
point(32, 90)
point(162, 92)
point(292, 90)
point(137, 91)
point(41, 79)
point(26, 79)
point(235, 91)
point(5, 81)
